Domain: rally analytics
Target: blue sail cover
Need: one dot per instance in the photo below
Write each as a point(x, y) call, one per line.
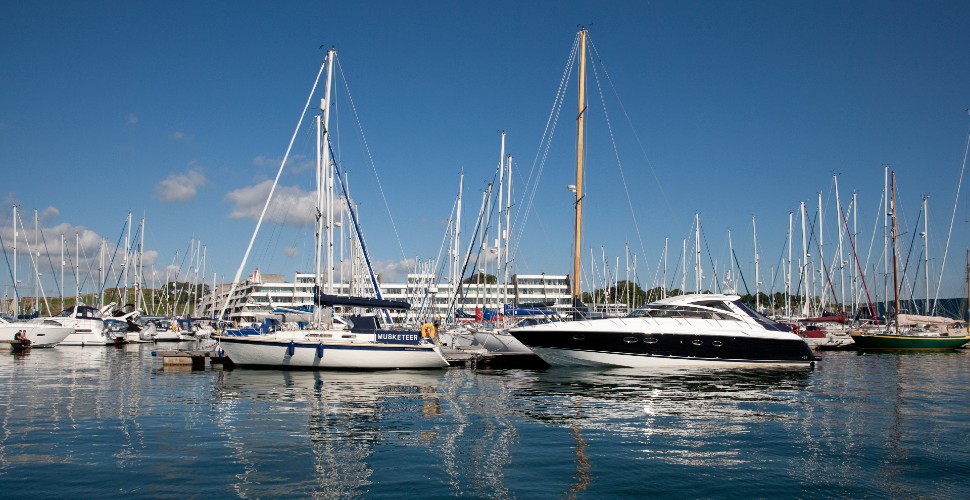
point(526, 311)
point(489, 314)
point(326, 300)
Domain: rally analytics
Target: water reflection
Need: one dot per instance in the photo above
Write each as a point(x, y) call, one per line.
point(671, 416)
point(895, 419)
point(58, 400)
point(114, 420)
point(324, 425)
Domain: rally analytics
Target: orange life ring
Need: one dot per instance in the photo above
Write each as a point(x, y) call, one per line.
point(427, 331)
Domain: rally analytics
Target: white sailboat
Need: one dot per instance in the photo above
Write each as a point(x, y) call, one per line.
point(359, 343)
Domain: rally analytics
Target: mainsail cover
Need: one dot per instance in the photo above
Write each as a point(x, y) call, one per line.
point(916, 319)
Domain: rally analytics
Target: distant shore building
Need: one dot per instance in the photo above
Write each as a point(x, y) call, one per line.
point(260, 293)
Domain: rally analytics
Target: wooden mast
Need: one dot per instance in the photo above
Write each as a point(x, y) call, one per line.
point(580, 126)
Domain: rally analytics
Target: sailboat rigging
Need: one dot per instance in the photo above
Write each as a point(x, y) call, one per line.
point(354, 342)
point(922, 332)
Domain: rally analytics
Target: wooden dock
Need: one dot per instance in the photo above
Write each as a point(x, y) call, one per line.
point(193, 359)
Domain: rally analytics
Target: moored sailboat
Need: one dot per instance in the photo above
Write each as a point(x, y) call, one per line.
point(361, 343)
point(909, 331)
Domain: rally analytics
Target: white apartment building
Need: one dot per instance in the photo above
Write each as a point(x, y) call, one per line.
point(261, 293)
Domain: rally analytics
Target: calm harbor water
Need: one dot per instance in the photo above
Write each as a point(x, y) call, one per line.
point(110, 422)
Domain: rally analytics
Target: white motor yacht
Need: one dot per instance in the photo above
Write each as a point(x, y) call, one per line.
point(686, 330)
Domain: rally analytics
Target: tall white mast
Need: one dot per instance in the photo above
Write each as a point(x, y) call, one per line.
point(893, 235)
point(101, 274)
point(788, 281)
point(201, 280)
point(141, 267)
point(16, 294)
point(729, 275)
point(35, 258)
point(456, 244)
point(77, 268)
point(499, 283)
point(124, 269)
point(683, 268)
point(698, 280)
point(627, 264)
point(214, 298)
point(663, 286)
point(325, 184)
point(885, 236)
point(821, 256)
point(926, 254)
point(329, 169)
point(63, 285)
point(804, 273)
point(508, 221)
point(635, 277)
point(616, 280)
point(838, 217)
point(853, 269)
point(757, 276)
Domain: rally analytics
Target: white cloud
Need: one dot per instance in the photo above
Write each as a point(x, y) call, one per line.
point(82, 248)
point(50, 213)
point(132, 119)
point(149, 258)
point(180, 187)
point(180, 136)
point(291, 252)
point(170, 272)
point(291, 205)
point(394, 272)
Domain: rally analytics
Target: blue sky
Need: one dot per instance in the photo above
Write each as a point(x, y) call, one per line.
point(732, 110)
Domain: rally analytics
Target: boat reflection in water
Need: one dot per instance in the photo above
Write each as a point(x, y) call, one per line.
point(307, 433)
point(677, 417)
point(56, 402)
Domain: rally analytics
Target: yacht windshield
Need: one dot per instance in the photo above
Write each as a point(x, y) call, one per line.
point(761, 318)
point(678, 311)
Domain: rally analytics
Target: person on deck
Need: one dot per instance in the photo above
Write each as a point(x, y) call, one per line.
point(21, 336)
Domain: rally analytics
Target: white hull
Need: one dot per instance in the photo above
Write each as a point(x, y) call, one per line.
point(85, 331)
point(39, 334)
point(561, 357)
point(680, 331)
point(275, 351)
point(167, 336)
point(87, 338)
point(500, 342)
point(147, 334)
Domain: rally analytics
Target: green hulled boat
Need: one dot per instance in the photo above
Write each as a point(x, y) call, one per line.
point(891, 341)
point(926, 325)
